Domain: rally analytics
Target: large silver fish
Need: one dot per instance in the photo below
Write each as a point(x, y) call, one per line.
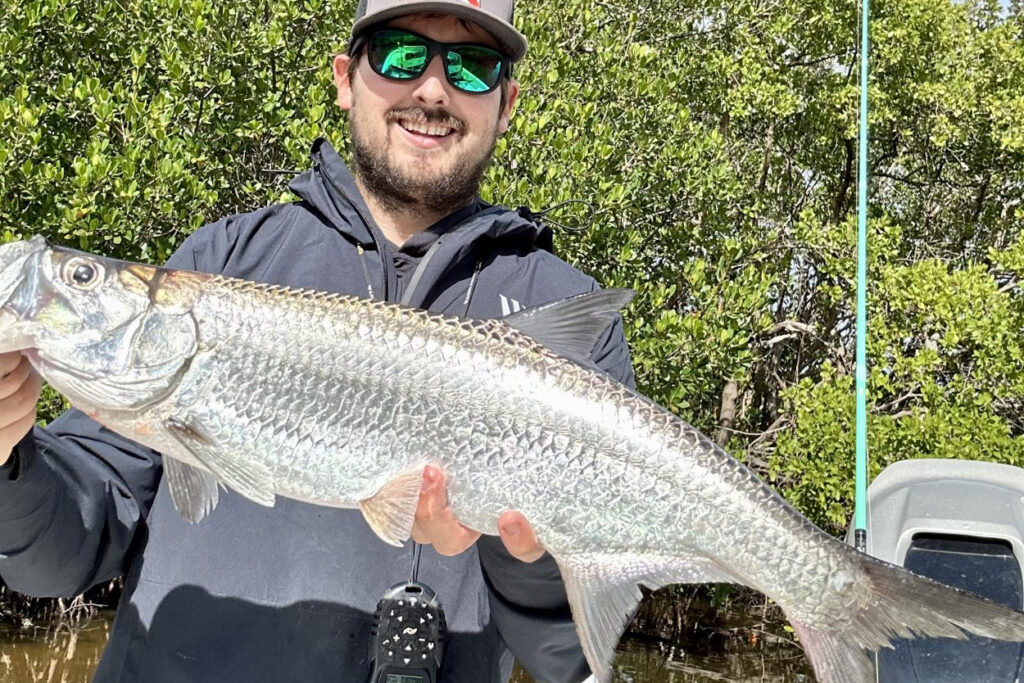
point(342, 401)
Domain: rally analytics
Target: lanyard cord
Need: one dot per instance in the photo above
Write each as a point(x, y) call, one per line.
point(371, 226)
point(366, 270)
point(417, 550)
point(472, 287)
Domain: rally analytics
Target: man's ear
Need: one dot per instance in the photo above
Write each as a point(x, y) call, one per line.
point(513, 94)
point(342, 82)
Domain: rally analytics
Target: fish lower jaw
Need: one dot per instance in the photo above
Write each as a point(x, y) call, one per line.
point(12, 333)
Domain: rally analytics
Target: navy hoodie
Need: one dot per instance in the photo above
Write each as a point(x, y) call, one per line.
point(287, 593)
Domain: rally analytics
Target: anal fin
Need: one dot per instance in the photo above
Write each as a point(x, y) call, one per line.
point(603, 593)
point(392, 510)
point(248, 477)
point(193, 491)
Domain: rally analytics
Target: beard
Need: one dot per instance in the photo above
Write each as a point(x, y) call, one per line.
point(408, 188)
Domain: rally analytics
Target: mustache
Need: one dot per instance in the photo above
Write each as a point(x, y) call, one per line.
point(421, 115)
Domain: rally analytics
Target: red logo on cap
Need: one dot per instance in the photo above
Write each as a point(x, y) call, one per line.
point(474, 3)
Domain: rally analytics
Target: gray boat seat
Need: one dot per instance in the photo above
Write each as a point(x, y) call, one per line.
point(962, 523)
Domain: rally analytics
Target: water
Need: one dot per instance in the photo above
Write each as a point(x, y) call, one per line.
point(639, 661)
point(691, 641)
point(745, 644)
point(65, 654)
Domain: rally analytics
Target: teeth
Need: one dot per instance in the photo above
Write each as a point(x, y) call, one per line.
point(426, 128)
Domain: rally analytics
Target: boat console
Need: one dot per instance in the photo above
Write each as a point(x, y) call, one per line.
point(962, 523)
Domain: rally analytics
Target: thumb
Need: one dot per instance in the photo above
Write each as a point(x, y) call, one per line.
point(518, 537)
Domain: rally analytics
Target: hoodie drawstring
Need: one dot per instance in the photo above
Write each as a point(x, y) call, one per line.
point(472, 287)
point(366, 269)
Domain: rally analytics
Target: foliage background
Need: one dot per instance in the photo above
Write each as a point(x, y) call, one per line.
point(716, 141)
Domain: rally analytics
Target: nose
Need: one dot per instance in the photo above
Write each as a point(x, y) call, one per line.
point(432, 86)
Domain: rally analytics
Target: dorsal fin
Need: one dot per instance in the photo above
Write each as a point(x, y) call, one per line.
point(572, 327)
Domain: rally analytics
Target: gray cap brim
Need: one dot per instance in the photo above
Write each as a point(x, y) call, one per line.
point(510, 41)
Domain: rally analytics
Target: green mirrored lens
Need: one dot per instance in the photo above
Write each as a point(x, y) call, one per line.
point(473, 69)
point(404, 56)
point(396, 55)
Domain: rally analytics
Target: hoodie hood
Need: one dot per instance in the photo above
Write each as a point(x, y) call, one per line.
point(331, 191)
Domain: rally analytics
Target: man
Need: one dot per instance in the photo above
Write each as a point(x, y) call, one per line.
point(287, 594)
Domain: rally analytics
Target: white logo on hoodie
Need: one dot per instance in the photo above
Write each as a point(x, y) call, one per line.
point(509, 305)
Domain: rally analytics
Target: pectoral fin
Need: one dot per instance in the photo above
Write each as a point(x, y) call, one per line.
point(248, 477)
point(603, 593)
point(392, 510)
point(193, 491)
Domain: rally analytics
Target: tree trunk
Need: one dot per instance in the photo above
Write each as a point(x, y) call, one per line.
point(727, 412)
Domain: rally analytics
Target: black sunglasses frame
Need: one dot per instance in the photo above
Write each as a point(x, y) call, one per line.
point(434, 49)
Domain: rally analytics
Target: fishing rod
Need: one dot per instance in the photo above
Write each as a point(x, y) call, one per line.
point(860, 516)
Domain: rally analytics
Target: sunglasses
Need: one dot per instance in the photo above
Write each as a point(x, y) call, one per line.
point(404, 56)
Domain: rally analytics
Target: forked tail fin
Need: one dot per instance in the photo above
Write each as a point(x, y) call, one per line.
point(902, 605)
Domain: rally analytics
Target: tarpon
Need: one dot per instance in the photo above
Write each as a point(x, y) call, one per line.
point(343, 401)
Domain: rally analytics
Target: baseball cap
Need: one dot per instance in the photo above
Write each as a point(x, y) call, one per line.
point(494, 16)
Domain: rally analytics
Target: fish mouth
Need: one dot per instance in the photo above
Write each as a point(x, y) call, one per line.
point(13, 336)
point(14, 256)
point(18, 264)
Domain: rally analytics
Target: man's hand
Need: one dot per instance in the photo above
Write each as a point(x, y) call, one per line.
point(20, 386)
point(436, 524)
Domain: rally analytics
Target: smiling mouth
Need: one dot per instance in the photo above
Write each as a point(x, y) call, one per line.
point(417, 123)
point(433, 130)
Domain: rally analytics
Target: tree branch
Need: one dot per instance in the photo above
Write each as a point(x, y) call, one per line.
point(727, 412)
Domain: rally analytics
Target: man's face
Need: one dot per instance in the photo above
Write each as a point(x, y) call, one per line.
point(422, 142)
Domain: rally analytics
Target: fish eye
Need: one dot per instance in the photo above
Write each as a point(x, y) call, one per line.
point(81, 273)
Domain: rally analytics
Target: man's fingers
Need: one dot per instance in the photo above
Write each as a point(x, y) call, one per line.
point(22, 402)
point(433, 500)
point(518, 537)
point(457, 541)
point(9, 361)
point(446, 535)
point(12, 379)
point(436, 524)
point(433, 496)
point(20, 387)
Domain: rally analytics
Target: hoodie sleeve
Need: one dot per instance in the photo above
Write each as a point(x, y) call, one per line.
point(71, 498)
point(73, 494)
point(528, 601)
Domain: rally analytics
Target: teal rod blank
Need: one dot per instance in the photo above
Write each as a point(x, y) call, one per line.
point(860, 511)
